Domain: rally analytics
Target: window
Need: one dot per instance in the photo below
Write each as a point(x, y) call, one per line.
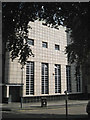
point(30, 41)
point(44, 78)
point(68, 78)
point(44, 44)
point(30, 78)
point(57, 47)
point(57, 79)
point(78, 83)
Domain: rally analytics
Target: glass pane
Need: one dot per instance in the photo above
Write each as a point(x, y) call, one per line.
point(30, 78)
point(44, 44)
point(57, 79)
point(68, 76)
point(44, 78)
point(56, 47)
point(30, 41)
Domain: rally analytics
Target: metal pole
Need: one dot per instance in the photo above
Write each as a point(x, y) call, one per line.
point(21, 102)
point(66, 101)
point(22, 88)
point(66, 110)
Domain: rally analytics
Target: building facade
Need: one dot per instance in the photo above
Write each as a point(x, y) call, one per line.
point(47, 73)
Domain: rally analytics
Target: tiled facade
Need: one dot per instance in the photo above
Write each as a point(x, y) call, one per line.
point(14, 76)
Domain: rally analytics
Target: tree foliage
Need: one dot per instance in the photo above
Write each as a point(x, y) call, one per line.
point(73, 15)
point(15, 18)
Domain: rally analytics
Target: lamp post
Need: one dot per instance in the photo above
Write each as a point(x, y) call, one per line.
point(22, 87)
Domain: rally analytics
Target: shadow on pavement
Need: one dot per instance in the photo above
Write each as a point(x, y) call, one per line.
point(12, 116)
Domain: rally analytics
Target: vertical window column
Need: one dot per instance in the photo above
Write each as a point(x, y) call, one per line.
point(44, 78)
point(30, 78)
point(68, 78)
point(57, 79)
point(78, 80)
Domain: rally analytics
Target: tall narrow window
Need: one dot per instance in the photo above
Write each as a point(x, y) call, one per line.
point(30, 78)
point(78, 83)
point(68, 78)
point(44, 78)
point(57, 79)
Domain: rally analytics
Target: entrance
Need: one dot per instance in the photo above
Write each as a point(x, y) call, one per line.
point(14, 94)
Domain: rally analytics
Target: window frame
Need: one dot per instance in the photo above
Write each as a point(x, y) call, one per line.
point(78, 79)
point(68, 78)
point(30, 78)
point(45, 78)
point(57, 78)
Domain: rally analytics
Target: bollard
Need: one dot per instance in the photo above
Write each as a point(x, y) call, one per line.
point(21, 102)
point(43, 102)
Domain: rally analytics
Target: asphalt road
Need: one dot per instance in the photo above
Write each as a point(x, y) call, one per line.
point(13, 116)
point(75, 112)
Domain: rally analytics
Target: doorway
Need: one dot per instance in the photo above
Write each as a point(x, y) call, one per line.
point(14, 94)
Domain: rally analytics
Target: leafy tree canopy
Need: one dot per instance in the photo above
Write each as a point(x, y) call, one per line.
point(73, 15)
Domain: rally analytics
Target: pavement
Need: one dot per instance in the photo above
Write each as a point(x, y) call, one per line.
point(36, 105)
point(54, 109)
